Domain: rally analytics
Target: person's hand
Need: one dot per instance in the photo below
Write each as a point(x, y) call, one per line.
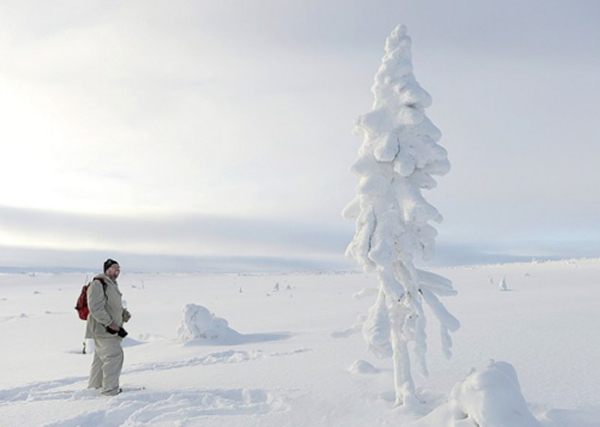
point(113, 328)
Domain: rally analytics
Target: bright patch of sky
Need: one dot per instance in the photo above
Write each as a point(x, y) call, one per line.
point(135, 120)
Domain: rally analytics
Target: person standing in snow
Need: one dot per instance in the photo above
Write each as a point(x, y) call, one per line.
point(105, 327)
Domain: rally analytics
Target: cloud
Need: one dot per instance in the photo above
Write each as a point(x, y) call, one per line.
point(19, 260)
point(184, 236)
point(52, 241)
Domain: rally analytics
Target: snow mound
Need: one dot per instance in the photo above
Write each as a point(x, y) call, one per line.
point(361, 367)
point(366, 292)
point(490, 398)
point(199, 323)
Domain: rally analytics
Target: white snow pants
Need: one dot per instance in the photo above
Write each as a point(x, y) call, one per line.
point(107, 365)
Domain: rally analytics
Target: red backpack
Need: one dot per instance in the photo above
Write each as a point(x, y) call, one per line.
point(82, 307)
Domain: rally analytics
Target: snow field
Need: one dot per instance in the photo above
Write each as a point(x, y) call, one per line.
point(298, 360)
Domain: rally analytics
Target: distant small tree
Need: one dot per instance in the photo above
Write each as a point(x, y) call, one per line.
point(503, 286)
point(396, 161)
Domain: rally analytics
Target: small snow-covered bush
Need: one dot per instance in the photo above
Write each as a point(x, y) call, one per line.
point(199, 323)
point(490, 398)
point(361, 367)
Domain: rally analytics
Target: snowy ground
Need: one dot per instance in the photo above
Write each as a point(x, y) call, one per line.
point(290, 364)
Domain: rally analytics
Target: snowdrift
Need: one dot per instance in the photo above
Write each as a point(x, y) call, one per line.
point(490, 398)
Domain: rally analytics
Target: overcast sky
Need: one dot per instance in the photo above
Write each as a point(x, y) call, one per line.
point(217, 134)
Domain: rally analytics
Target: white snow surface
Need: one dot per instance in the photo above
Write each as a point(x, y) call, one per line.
point(297, 358)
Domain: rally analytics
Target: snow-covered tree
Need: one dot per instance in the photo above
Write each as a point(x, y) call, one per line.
point(396, 161)
point(503, 286)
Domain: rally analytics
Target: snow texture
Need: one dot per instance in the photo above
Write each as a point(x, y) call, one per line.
point(397, 160)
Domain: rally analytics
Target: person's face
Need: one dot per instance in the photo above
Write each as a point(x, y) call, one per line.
point(113, 271)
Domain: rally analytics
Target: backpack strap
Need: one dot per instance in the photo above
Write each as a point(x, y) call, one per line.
point(104, 285)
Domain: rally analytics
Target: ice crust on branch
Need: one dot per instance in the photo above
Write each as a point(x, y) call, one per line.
point(398, 158)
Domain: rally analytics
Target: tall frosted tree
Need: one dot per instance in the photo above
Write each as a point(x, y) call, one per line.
point(398, 157)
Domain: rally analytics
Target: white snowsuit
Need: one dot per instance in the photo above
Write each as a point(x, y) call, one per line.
point(105, 308)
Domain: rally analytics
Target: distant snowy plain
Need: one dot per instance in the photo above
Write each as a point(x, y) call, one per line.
point(294, 356)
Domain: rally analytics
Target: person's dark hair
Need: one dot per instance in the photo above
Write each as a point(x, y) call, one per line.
point(109, 263)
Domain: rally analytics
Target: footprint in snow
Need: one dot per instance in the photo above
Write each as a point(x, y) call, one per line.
point(43, 390)
point(221, 357)
point(228, 356)
point(167, 408)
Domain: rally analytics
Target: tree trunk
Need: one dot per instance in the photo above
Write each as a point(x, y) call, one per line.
point(403, 381)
